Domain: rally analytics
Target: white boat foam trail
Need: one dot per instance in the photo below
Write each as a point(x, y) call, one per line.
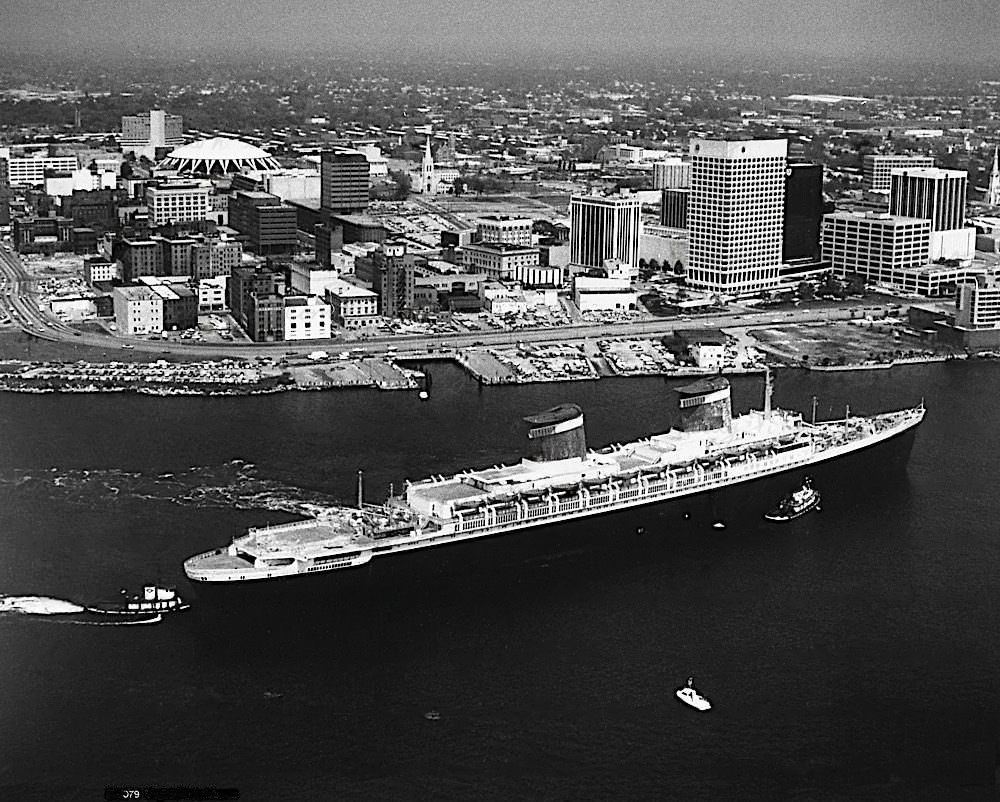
point(231, 484)
point(38, 605)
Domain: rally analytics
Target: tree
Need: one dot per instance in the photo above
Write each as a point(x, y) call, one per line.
point(830, 285)
point(403, 184)
point(806, 291)
point(855, 284)
point(591, 146)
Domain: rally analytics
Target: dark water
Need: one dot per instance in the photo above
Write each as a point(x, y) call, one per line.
point(850, 655)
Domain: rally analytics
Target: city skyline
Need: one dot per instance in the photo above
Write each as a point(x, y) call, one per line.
point(643, 29)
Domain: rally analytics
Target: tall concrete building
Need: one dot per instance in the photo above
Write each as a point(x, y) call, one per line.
point(876, 246)
point(5, 192)
point(268, 224)
point(96, 208)
point(931, 193)
point(498, 260)
point(674, 208)
point(671, 174)
point(213, 256)
point(144, 133)
point(804, 207)
point(603, 228)
point(138, 310)
point(139, 257)
point(393, 278)
point(977, 304)
point(343, 181)
point(29, 171)
point(178, 202)
point(735, 214)
point(876, 168)
point(506, 229)
point(257, 302)
point(939, 196)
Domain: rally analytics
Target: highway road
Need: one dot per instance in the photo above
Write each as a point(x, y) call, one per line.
point(18, 300)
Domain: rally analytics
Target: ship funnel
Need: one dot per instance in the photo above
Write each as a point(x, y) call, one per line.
point(149, 593)
point(557, 434)
point(705, 405)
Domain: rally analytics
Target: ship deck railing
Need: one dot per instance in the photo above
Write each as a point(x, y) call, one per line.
point(673, 482)
point(684, 481)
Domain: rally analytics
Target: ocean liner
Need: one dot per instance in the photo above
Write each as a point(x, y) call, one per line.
point(559, 481)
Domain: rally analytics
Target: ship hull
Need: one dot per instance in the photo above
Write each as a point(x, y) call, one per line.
point(394, 577)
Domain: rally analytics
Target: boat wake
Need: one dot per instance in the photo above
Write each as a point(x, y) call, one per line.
point(232, 484)
point(64, 611)
point(38, 605)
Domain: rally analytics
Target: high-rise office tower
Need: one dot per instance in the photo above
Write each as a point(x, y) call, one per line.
point(674, 207)
point(931, 193)
point(393, 278)
point(154, 129)
point(876, 168)
point(735, 214)
point(343, 181)
point(671, 173)
point(939, 196)
point(875, 246)
point(603, 228)
point(269, 224)
point(803, 211)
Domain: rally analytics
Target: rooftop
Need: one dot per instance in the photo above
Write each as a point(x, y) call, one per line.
point(500, 247)
point(937, 173)
point(219, 155)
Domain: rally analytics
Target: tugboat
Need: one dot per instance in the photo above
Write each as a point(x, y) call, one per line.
point(691, 697)
point(796, 503)
point(153, 600)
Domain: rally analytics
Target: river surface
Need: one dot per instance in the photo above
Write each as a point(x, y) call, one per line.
point(852, 654)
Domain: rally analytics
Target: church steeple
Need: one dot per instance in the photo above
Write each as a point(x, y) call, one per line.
point(427, 169)
point(993, 194)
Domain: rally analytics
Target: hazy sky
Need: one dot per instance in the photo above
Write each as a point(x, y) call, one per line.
point(941, 30)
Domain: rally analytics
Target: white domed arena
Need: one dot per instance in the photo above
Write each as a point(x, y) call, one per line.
point(219, 155)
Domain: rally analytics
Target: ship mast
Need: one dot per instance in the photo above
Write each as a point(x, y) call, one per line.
point(768, 390)
point(361, 490)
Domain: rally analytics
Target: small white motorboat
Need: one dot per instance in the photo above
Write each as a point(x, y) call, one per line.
point(691, 697)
